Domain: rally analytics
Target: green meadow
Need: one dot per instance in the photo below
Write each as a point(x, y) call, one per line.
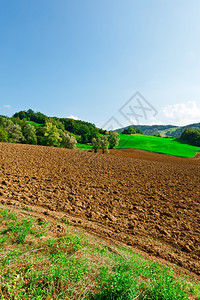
point(170, 146)
point(33, 123)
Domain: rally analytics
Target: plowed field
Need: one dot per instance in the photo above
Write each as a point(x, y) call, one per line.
point(145, 200)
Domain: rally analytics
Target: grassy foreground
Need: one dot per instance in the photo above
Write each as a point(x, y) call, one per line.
point(169, 146)
point(34, 264)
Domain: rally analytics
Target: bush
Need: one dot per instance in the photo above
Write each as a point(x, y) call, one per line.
point(68, 141)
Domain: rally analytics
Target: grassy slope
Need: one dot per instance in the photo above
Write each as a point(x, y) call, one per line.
point(35, 265)
point(157, 144)
point(163, 132)
point(168, 146)
point(33, 123)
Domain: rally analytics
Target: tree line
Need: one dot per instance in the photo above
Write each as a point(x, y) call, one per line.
point(35, 128)
point(14, 130)
point(83, 131)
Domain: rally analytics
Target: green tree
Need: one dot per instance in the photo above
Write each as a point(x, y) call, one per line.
point(3, 135)
point(113, 139)
point(52, 135)
point(2, 121)
point(191, 136)
point(14, 133)
point(40, 132)
point(129, 130)
point(29, 133)
point(96, 144)
point(104, 144)
point(67, 140)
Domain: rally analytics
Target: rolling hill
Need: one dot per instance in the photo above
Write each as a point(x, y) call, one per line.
point(163, 130)
point(170, 146)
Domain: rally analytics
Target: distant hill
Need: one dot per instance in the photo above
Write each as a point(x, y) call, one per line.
point(163, 130)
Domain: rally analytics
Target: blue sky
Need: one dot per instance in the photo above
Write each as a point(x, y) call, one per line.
point(86, 58)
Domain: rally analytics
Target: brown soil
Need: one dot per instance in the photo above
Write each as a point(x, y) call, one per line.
point(146, 200)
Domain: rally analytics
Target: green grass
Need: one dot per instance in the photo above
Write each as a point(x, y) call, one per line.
point(78, 266)
point(16, 232)
point(168, 146)
point(83, 146)
point(5, 214)
point(33, 123)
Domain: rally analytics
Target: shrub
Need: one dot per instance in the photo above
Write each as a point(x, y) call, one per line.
point(68, 141)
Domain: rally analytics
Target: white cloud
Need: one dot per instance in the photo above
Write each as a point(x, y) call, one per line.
point(7, 106)
point(183, 113)
point(73, 117)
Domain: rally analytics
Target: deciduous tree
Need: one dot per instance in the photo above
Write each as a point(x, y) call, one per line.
point(29, 133)
point(52, 135)
point(104, 144)
point(113, 139)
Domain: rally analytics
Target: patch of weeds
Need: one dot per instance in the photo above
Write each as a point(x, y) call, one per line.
point(37, 233)
point(40, 234)
point(11, 257)
point(164, 287)
point(5, 214)
point(136, 278)
point(27, 209)
point(118, 284)
point(102, 251)
point(57, 280)
point(68, 244)
point(17, 231)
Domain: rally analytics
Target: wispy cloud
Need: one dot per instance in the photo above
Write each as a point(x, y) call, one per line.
point(7, 106)
point(73, 117)
point(183, 113)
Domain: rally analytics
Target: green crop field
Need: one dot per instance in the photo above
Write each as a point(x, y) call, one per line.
point(170, 146)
